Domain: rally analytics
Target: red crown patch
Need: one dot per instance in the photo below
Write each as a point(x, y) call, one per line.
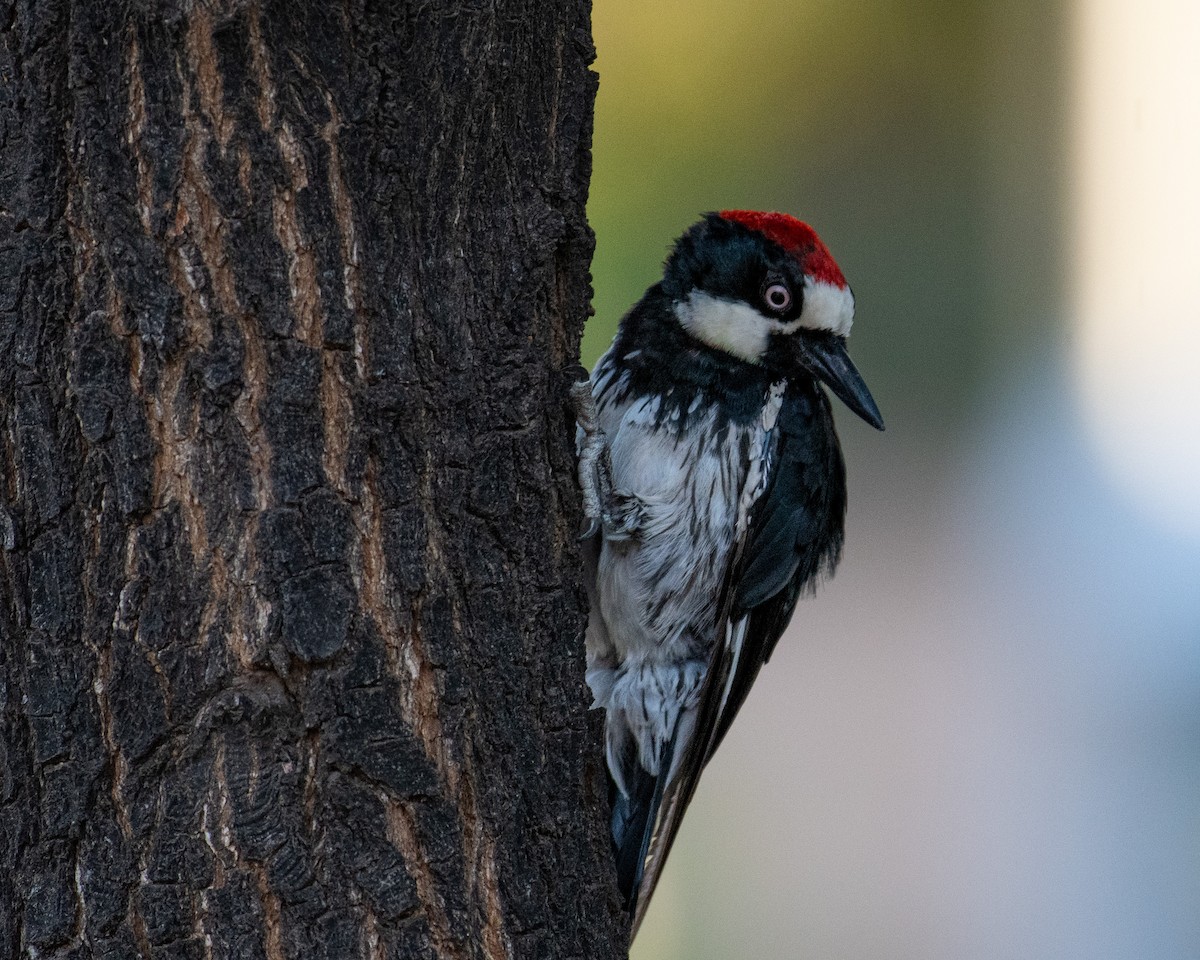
point(797, 238)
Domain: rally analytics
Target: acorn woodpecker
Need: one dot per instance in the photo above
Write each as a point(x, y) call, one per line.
point(715, 492)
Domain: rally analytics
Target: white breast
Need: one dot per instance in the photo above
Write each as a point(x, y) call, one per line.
point(655, 596)
point(658, 593)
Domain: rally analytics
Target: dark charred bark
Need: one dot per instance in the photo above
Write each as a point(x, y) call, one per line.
point(289, 600)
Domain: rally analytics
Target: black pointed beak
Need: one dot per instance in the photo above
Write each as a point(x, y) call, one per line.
point(825, 357)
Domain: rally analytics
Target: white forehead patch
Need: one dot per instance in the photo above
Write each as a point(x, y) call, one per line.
point(738, 329)
point(827, 307)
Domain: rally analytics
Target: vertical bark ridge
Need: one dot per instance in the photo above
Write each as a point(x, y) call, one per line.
point(292, 631)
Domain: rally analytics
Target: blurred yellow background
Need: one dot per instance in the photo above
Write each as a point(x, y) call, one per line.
point(982, 738)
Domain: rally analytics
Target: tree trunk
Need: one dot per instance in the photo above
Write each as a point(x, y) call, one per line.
point(292, 659)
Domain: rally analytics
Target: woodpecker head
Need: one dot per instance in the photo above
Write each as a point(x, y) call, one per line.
point(764, 289)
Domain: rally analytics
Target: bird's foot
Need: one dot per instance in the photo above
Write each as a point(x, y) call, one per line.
point(618, 515)
point(622, 516)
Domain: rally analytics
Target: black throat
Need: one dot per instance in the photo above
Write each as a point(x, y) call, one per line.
point(653, 355)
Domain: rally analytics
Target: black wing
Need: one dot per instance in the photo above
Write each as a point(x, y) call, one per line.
point(794, 534)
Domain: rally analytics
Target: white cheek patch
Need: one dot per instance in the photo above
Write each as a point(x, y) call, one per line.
point(826, 307)
point(734, 327)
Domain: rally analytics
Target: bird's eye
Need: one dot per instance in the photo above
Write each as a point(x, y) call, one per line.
point(777, 297)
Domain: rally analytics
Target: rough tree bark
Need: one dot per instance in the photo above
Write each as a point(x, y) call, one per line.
point(292, 632)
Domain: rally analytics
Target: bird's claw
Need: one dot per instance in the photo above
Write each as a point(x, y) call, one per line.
point(604, 510)
point(595, 479)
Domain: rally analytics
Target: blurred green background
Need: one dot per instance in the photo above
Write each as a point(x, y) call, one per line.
point(982, 739)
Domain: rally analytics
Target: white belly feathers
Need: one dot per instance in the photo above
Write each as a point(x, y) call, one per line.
point(657, 593)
